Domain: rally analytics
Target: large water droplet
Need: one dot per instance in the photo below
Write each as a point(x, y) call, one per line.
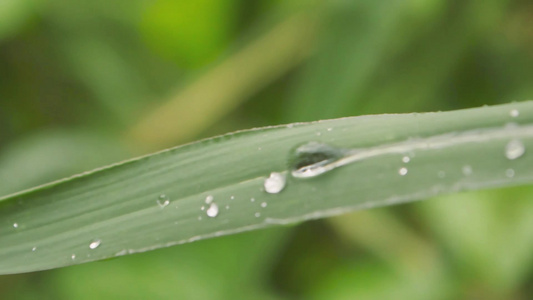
point(514, 149)
point(212, 211)
point(163, 201)
point(313, 159)
point(95, 244)
point(275, 183)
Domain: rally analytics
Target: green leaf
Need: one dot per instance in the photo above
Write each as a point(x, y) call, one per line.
point(160, 200)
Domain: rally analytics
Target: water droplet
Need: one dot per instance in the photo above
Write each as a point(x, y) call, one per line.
point(330, 129)
point(275, 183)
point(73, 256)
point(467, 170)
point(318, 133)
point(406, 159)
point(509, 173)
point(163, 200)
point(313, 159)
point(257, 215)
point(441, 174)
point(212, 211)
point(34, 248)
point(200, 218)
point(227, 206)
point(264, 204)
point(232, 197)
point(202, 208)
point(402, 171)
point(514, 113)
point(95, 244)
point(15, 225)
point(252, 199)
point(208, 199)
point(259, 148)
point(514, 149)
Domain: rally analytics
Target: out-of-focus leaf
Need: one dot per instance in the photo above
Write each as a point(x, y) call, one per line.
point(14, 15)
point(190, 32)
point(52, 155)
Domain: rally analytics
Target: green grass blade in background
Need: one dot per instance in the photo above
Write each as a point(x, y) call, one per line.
point(160, 200)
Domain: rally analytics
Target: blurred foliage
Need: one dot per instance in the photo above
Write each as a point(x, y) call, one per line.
point(80, 83)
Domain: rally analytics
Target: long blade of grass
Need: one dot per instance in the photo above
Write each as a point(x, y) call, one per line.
point(216, 186)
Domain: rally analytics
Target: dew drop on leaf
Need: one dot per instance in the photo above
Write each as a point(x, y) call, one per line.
point(275, 183)
point(313, 159)
point(514, 149)
point(212, 211)
point(467, 170)
point(402, 171)
point(95, 244)
point(163, 201)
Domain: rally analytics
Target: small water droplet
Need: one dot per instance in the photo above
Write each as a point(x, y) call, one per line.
point(252, 199)
point(202, 208)
point(257, 215)
point(227, 206)
point(200, 218)
point(73, 256)
point(514, 149)
point(264, 204)
point(232, 197)
point(313, 159)
point(212, 211)
point(467, 170)
point(441, 174)
point(95, 244)
point(275, 183)
point(330, 129)
point(318, 133)
point(163, 201)
point(34, 248)
point(259, 148)
point(402, 171)
point(509, 173)
point(208, 199)
point(406, 159)
point(514, 113)
point(15, 225)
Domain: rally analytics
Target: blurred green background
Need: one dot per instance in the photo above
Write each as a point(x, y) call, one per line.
point(87, 83)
